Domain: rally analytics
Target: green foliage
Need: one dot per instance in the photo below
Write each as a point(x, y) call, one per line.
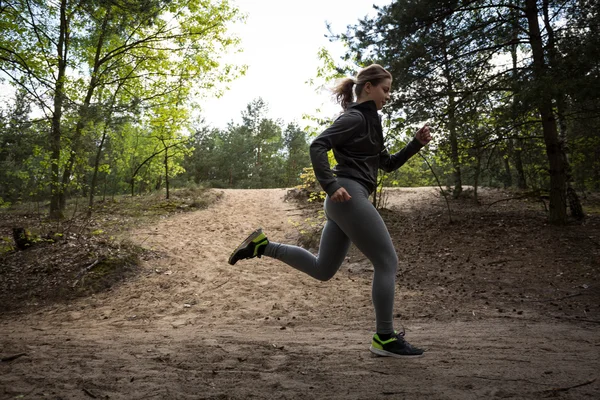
point(296, 152)
point(468, 69)
point(311, 186)
point(133, 69)
point(124, 104)
point(257, 153)
point(6, 245)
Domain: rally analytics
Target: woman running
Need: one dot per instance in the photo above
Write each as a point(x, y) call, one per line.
point(356, 138)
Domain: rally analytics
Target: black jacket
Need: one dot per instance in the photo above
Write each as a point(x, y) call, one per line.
point(356, 138)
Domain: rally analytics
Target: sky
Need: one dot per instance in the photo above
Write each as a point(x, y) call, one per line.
point(280, 40)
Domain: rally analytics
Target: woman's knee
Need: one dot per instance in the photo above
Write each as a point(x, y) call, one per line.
point(387, 265)
point(326, 274)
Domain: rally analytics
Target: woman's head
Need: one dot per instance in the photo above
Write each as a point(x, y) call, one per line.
point(372, 83)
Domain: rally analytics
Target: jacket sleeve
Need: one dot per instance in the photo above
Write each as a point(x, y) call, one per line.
point(344, 128)
point(390, 163)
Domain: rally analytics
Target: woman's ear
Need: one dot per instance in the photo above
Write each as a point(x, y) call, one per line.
point(367, 88)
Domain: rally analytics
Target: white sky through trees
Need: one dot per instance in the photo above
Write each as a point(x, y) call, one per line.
point(280, 40)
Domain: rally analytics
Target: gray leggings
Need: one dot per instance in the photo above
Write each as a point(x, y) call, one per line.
point(355, 221)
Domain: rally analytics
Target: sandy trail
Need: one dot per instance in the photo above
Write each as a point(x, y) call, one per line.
point(193, 327)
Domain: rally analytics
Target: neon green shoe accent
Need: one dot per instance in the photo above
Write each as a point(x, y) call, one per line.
point(396, 346)
point(259, 241)
point(378, 343)
point(253, 246)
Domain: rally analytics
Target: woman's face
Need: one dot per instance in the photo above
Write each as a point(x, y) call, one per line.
point(380, 94)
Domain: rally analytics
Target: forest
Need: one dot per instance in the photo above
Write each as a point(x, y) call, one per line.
point(106, 98)
point(120, 205)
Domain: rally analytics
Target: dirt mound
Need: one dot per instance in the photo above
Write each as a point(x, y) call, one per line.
point(82, 255)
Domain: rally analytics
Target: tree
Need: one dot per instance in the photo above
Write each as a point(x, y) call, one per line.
point(442, 53)
point(17, 144)
point(433, 65)
point(63, 54)
point(266, 140)
point(296, 149)
point(201, 163)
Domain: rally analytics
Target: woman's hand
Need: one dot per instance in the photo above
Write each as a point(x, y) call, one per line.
point(340, 196)
point(424, 135)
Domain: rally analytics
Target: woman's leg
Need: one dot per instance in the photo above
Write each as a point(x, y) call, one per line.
point(361, 222)
point(332, 251)
point(355, 221)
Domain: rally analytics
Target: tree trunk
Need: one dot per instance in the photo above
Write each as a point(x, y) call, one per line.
point(558, 206)
point(517, 144)
point(167, 170)
point(477, 174)
point(139, 167)
point(561, 105)
point(83, 115)
point(454, 149)
point(56, 212)
point(104, 189)
point(95, 175)
point(99, 152)
point(507, 172)
point(517, 150)
point(452, 122)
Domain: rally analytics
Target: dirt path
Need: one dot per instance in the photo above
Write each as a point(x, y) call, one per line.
point(193, 327)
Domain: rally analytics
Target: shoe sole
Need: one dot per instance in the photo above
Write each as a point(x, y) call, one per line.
point(245, 243)
point(384, 353)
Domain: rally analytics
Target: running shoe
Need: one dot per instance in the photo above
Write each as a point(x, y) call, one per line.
point(253, 246)
point(396, 346)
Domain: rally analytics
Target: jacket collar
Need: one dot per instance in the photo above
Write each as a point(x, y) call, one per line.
point(366, 107)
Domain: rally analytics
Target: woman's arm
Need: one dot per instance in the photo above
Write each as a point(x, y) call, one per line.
point(390, 163)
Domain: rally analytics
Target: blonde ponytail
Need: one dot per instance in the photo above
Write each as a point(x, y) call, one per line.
point(343, 92)
point(374, 73)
